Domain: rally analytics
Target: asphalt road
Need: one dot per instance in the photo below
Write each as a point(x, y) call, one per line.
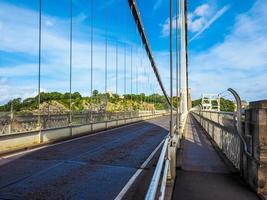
point(94, 167)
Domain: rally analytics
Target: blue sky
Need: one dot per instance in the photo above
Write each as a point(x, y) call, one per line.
point(227, 48)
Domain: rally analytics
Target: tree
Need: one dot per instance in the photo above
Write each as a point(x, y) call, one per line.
point(76, 95)
point(95, 93)
point(226, 105)
point(129, 102)
point(196, 102)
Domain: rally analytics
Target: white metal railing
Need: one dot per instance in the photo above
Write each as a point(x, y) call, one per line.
point(225, 128)
point(27, 123)
point(161, 173)
point(222, 128)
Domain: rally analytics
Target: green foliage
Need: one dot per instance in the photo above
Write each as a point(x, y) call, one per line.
point(112, 102)
point(226, 104)
point(196, 102)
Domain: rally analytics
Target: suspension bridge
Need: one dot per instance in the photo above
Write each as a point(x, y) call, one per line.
point(141, 141)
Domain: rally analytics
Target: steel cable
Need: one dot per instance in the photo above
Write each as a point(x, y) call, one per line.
point(177, 64)
point(39, 63)
point(92, 60)
point(171, 81)
point(106, 56)
point(70, 67)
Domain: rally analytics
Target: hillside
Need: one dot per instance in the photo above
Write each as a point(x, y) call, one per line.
point(55, 102)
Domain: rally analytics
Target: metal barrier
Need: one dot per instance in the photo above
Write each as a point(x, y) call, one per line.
point(225, 128)
point(166, 167)
point(17, 141)
point(221, 127)
point(20, 123)
point(163, 164)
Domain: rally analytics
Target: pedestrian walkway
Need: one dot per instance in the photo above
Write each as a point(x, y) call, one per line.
point(203, 174)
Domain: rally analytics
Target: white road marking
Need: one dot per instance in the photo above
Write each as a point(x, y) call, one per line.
point(137, 173)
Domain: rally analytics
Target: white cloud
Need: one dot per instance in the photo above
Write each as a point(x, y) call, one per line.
point(197, 24)
point(204, 24)
point(239, 61)
point(165, 31)
point(202, 10)
point(198, 21)
point(14, 91)
point(23, 32)
point(49, 23)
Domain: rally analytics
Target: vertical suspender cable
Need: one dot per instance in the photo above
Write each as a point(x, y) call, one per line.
point(125, 61)
point(149, 86)
point(39, 63)
point(136, 75)
point(141, 64)
point(106, 54)
point(92, 47)
point(146, 85)
point(186, 35)
point(131, 72)
point(136, 67)
point(145, 77)
point(70, 105)
point(117, 59)
point(180, 68)
point(177, 65)
point(154, 96)
point(131, 67)
point(124, 68)
point(117, 66)
point(125, 30)
point(171, 90)
point(92, 60)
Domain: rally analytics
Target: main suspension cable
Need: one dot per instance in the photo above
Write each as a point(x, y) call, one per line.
point(137, 17)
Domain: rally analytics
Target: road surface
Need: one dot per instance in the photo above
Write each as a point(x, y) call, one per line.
point(91, 167)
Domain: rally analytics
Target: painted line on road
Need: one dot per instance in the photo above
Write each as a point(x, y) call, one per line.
point(71, 140)
point(137, 173)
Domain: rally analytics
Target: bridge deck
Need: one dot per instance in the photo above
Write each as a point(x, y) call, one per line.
point(203, 174)
point(91, 167)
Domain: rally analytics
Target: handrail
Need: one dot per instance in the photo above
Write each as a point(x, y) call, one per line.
point(238, 115)
point(239, 123)
point(164, 180)
point(152, 191)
